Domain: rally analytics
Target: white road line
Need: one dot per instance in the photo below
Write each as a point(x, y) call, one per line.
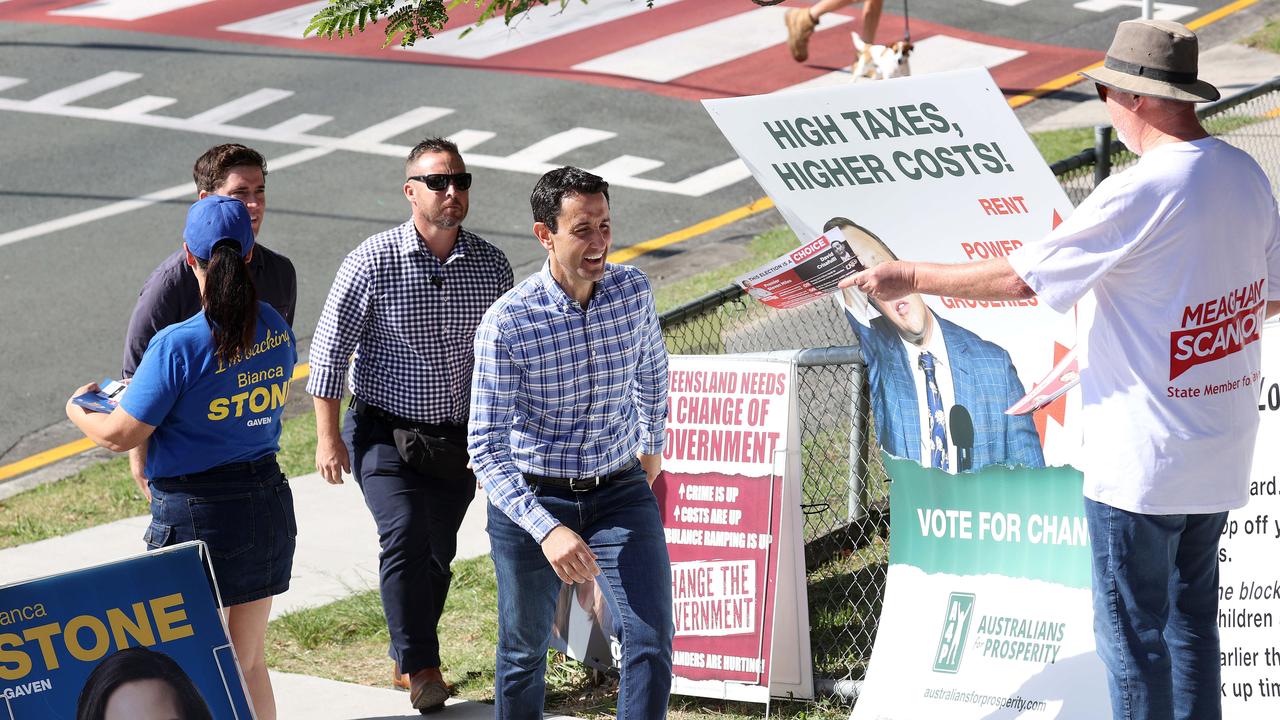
point(562, 142)
point(186, 189)
point(543, 22)
point(92, 86)
point(241, 106)
point(288, 23)
point(704, 182)
point(699, 48)
point(835, 78)
point(302, 123)
point(1160, 10)
point(376, 140)
point(402, 123)
point(1006, 3)
point(143, 105)
point(467, 139)
point(7, 82)
point(938, 53)
point(126, 9)
point(626, 166)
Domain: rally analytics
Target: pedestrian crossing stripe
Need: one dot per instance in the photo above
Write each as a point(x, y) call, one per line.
point(707, 45)
point(542, 23)
point(126, 10)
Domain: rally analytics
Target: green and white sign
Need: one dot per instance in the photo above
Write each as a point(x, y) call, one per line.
point(987, 611)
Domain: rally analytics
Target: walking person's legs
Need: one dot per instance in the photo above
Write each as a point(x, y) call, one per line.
point(801, 23)
point(625, 531)
point(247, 623)
point(527, 592)
point(401, 502)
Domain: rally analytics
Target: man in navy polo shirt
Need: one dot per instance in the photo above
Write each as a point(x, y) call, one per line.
point(170, 294)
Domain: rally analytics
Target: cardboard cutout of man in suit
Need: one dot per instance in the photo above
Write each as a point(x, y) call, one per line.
point(913, 406)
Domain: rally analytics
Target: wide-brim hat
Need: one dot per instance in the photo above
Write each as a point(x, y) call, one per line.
point(1156, 58)
point(215, 218)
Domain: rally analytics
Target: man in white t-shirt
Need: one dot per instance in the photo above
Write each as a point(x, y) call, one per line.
point(1182, 255)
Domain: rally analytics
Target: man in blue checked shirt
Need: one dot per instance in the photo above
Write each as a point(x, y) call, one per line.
point(568, 410)
point(405, 304)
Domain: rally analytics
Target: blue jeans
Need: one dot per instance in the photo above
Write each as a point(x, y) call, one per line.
point(1155, 605)
point(622, 524)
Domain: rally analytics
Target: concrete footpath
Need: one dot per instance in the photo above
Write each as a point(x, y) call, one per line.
point(337, 555)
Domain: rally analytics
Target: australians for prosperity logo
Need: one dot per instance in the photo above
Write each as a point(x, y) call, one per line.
point(955, 629)
point(1217, 327)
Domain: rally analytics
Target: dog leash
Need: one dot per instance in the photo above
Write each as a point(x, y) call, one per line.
point(906, 19)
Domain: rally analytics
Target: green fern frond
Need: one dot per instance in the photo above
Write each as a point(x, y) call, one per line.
point(413, 20)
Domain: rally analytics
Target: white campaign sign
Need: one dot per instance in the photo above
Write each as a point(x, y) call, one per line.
point(1249, 581)
point(939, 169)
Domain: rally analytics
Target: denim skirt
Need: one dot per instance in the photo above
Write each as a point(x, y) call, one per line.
point(244, 514)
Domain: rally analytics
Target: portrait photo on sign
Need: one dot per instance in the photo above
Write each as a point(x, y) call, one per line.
point(938, 391)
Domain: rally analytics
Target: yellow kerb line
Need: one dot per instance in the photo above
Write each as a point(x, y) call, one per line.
point(1072, 78)
point(706, 226)
point(1220, 13)
point(47, 457)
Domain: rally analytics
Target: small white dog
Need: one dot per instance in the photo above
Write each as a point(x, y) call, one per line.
point(881, 62)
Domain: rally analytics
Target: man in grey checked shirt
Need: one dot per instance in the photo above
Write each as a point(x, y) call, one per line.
point(406, 303)
point(569, 408)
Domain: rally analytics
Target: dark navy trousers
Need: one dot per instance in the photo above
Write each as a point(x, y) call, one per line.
point(418, 516)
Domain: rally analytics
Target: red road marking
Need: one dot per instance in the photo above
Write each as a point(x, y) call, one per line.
point(764, 71)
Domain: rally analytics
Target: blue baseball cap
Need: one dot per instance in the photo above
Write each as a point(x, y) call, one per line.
point(216, 218)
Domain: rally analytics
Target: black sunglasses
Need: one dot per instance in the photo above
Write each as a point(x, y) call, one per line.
point(1102, 91)
point(439, 181)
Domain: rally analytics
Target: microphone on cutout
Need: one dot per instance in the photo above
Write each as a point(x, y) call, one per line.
point(962, 437)
point(437, 281)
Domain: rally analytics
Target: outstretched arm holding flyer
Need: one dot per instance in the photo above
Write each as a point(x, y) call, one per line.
point(992, 279)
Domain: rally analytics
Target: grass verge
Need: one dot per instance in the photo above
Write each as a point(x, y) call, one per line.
point(1268, 38)
point(762, 248)
point(1055, 145)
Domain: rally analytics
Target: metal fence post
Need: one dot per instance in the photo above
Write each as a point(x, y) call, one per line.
point(1102, 153)
point(857, 443)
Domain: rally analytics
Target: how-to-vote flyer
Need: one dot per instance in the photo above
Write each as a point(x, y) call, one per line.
point(73, 643)
point(987, 610)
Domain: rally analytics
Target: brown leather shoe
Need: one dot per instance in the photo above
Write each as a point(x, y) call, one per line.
point(399, 680)
point(427, 690)
point(799, 27)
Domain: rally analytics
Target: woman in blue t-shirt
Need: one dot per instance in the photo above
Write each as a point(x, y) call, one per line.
point(208, 395)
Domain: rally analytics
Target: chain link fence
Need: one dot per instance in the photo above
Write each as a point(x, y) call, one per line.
point(845, 489)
